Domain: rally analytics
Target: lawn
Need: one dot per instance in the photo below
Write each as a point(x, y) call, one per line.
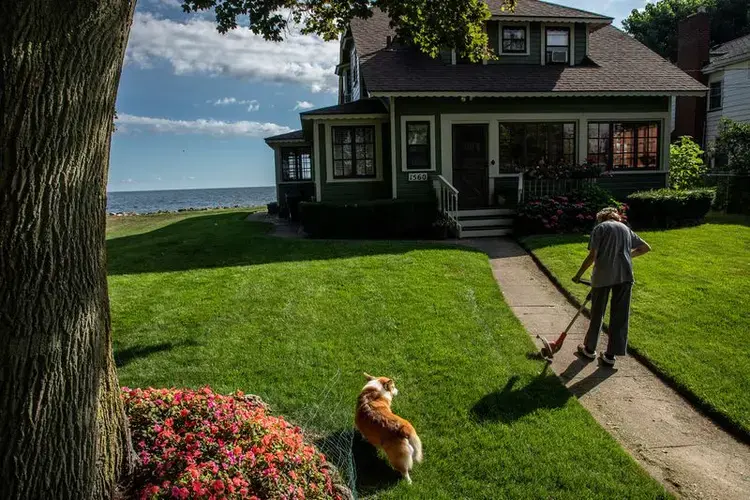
point(691, 306)
point(211, 299)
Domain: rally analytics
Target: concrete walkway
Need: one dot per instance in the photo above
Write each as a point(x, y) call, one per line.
point(679, 446)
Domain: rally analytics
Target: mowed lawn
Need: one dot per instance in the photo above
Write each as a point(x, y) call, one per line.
point(691, 306)
point(210, 299)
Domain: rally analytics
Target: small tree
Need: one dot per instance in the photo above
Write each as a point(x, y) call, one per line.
point(686, 167)
point(732, 146)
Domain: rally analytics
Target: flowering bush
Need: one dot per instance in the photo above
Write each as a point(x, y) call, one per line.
point(573, 212)
point(197, 444)
point(563, 171)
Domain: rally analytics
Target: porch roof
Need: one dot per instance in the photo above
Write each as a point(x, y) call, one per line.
point(294, 136)
point(359, 107)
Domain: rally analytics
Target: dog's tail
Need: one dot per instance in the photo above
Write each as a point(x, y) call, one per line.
point(416, 444)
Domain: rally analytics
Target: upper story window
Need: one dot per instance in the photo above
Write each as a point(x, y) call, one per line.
point(353, 152)
point(295, 164)
point(513, 40)
point(714, 97)
point(558, 45)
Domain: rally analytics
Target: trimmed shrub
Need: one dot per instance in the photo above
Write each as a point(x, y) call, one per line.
point(665, 208)
point(569, 213)
point(380, 219)
point(197, 444)
point(273, 208)
point(686, 168)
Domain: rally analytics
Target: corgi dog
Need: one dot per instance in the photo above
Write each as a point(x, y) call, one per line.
point(383, 428)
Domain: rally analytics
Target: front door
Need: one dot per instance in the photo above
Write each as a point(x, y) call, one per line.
point(470, 165)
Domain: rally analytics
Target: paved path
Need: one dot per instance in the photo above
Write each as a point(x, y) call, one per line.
point(679, 446)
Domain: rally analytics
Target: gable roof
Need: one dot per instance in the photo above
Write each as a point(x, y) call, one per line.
point(728, 53)
point(539, 9)
point(288, 137)
point(358, 107)
point(617, 64)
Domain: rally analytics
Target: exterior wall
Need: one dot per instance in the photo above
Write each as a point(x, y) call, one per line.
point(580, 42)
point(735, 98)
point(488, 109)
point(304, 189)
point(351, 192)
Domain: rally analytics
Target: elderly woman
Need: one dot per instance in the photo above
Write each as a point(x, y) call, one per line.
point(612, 247)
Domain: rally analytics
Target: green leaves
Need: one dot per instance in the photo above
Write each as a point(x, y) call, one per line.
point(426, 24)
point(686, 168)
point(732, 146)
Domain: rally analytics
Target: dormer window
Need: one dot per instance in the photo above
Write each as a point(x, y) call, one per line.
point(514, 39)
point(558, 45)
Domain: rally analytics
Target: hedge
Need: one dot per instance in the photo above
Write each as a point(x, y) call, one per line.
point(380, 219)
point(666, 208)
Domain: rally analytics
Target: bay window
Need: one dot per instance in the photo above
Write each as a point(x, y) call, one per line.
point(623, 145)
point(296, 164)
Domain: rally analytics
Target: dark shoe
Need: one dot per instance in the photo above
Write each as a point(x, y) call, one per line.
point(585, 352)
point(608, 360)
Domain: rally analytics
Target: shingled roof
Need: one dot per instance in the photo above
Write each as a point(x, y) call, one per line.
point(617, 63)
point(535, 8)
point(288, 137)
point(727, 53)
point(358, 107)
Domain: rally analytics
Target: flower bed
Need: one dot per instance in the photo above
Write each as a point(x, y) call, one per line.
point(197, 444)
point(569, 213)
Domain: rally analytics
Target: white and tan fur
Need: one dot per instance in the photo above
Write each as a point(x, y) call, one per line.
point(383, 428)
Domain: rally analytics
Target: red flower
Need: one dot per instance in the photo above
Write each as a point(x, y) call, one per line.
point(218, 486)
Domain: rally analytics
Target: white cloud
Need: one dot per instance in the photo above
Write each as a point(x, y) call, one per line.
point(127, 123)
point(252, 105)
point(166, 4)
point(195, 47)
point(303, 105)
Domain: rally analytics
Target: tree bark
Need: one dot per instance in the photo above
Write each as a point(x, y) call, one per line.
point(63, 431)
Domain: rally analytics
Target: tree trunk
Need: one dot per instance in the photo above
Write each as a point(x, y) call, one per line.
point(63, 431)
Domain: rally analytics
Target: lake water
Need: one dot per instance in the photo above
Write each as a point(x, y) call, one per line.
point(142, 202)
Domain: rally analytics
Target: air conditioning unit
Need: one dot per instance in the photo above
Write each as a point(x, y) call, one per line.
point(559, 55)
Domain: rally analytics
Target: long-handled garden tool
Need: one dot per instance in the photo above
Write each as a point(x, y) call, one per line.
point(550, 348)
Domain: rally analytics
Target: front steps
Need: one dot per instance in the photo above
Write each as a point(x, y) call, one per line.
point(485, 222)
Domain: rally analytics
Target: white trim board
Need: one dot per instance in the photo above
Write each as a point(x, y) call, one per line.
point(318, 166)
point(394, 160)
point(378, 150)
point(418, 118)
point(612, 93)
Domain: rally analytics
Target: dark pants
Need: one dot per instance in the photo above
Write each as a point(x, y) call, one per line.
point(619, 318)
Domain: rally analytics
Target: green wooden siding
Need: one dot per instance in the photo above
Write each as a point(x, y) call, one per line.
point(352, 192)
point(580, 43)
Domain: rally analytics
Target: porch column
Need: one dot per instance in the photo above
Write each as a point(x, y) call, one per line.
point(582, 129)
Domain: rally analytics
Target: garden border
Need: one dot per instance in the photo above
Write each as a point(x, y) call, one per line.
point(717, 417)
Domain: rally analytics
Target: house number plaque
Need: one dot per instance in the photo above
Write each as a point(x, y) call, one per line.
point(417, 177)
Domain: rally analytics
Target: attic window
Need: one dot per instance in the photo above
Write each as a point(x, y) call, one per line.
point(513, 40)
point(558, 45)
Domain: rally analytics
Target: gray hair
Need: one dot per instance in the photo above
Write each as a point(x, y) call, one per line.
point(609, 213)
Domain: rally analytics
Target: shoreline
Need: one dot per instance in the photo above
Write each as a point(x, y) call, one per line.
point(181, 210)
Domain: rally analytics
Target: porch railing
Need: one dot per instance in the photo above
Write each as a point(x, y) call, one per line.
point(447, 196)
point(535, 188)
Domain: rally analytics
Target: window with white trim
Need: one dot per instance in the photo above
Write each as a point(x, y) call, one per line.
point(296, 164)
point(526, 144)
point(353, 152)
point(558, 45)
point(714, 96)
point(513, 40)
point(418, 147)
point(624, 145)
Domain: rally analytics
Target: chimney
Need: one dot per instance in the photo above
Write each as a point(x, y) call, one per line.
point(693, 45)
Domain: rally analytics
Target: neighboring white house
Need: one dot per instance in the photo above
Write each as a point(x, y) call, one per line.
point(728, 74)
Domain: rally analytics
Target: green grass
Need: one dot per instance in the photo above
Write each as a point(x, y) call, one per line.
point(210, 299)
point(691, 306)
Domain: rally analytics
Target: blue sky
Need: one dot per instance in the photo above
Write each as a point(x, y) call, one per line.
point(194, 106)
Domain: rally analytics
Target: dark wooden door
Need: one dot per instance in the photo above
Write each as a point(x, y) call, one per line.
point(470, 165)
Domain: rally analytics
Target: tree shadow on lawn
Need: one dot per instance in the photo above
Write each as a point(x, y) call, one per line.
point(373, 472)
point(227, 240)
point(126, 356)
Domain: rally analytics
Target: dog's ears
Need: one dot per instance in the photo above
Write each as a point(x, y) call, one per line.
point(368, 377)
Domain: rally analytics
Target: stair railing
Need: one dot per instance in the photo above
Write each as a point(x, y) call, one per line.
point(447, 196)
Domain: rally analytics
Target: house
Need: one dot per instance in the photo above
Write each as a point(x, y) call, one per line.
point(567, 87)
point(728, 73)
